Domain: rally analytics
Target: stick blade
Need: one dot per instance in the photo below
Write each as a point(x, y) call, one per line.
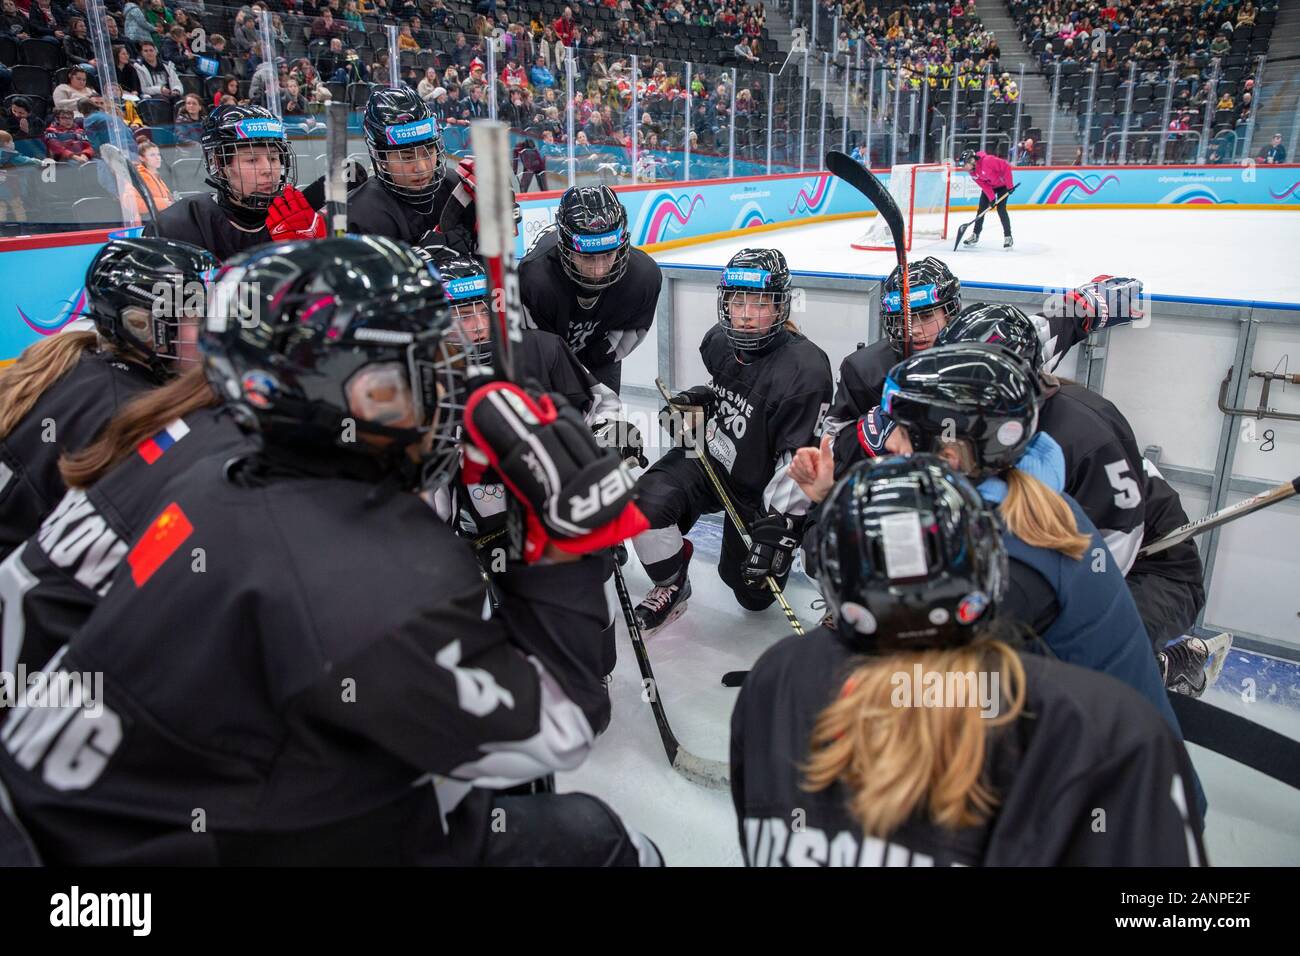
point(844, 167)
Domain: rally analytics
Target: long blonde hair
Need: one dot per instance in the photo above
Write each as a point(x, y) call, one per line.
point(143, 416)
point(895, 760)
point(41, 365)
point(1040, 518)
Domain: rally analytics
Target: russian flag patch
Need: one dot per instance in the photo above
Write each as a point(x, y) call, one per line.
point(159, 542)
point(151, 449)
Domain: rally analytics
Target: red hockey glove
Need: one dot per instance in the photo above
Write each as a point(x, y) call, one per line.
point(577, 495)
point(291, 217)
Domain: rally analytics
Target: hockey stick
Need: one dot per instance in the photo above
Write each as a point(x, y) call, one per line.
point(864, 181)
point(961, 230)
point(1223, 516)
point(494, 205)
point(336, 157)
point(124, 172)
point(706, 773)
point(734, 515)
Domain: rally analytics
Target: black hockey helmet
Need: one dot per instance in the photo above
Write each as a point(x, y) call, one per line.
point(231, 129)
point(465, 280)
point(931, 286)
point(908, 556)
point(320, 343)
point(996, 324)
point(966, 158)
point(139, 294)
point(980, 399)
point(760, 275)
point(399, 125)
point(591, 221)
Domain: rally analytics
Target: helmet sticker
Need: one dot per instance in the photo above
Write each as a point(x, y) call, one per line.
point(938, 616)
point(604, 242)
point(1010, 432)
point(917, 295)
point(863, 621)
point(746, 278)
point(904, 545)
point(972, 606)
point(466, 287)
point(259, 128)
point(405, 133)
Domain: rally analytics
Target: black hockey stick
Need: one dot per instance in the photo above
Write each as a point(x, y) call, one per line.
point(706, 773)
point(864, 181)
point(720, 490)
point(961, 230)
point(1223, 516)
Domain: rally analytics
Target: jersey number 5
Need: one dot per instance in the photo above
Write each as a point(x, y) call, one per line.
point(1127, 494)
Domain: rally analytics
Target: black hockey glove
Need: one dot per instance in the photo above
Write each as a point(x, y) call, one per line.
point(775, 536)
point(1105, 302)
point(623, 437)
point(689, 409)
point(576, 495)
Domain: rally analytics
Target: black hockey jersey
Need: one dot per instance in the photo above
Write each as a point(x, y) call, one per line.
point(1084, 741)
point(301, 670)
point(604, 330)
point(767, 409)
point(1103, 466)
point(66, 418)
point(200, 221)
point(66, 567)
point(374, 211)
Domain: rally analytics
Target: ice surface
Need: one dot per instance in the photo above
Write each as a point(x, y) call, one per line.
point(1219, 254)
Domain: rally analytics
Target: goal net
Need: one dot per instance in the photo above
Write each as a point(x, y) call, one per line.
point(921, 191)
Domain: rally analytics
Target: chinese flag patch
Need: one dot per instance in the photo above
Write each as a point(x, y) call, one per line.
point(159, 542)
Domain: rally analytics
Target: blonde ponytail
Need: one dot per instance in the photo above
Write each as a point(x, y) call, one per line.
point(1040, 518)
point(41, 365)
point(895, 760)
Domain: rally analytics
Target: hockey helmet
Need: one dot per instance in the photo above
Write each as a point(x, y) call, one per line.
point(592, 222)
point(233, 132)
point(755, 285)
point(931, 287)
point(405, 145)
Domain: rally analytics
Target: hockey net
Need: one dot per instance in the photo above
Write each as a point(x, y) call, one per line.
point(921, 191)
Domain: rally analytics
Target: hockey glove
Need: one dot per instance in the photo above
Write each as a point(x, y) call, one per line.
point(873, 431)
point(575, 494)
point(623, 437)
point(774, 536)
point(689, 409)
point(1105, 302)
point(291, 217)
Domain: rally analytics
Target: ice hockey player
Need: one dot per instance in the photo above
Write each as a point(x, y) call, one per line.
point(342, 651)
point(936, 299)
point(1116, 487)
point(112, 482)
point(477, 497)
point(62, 390)
point(768, 391)
point(406, 197)
point(250, 165)
point(913, 568)
point(584, 282)
point(993, 175)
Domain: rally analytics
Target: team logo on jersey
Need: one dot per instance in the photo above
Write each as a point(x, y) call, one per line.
point(151, 449)
point(158, 543)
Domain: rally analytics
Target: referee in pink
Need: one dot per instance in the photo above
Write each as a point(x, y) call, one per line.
point(993, 176)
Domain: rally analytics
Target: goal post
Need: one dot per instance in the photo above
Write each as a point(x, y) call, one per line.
point(922, 191)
